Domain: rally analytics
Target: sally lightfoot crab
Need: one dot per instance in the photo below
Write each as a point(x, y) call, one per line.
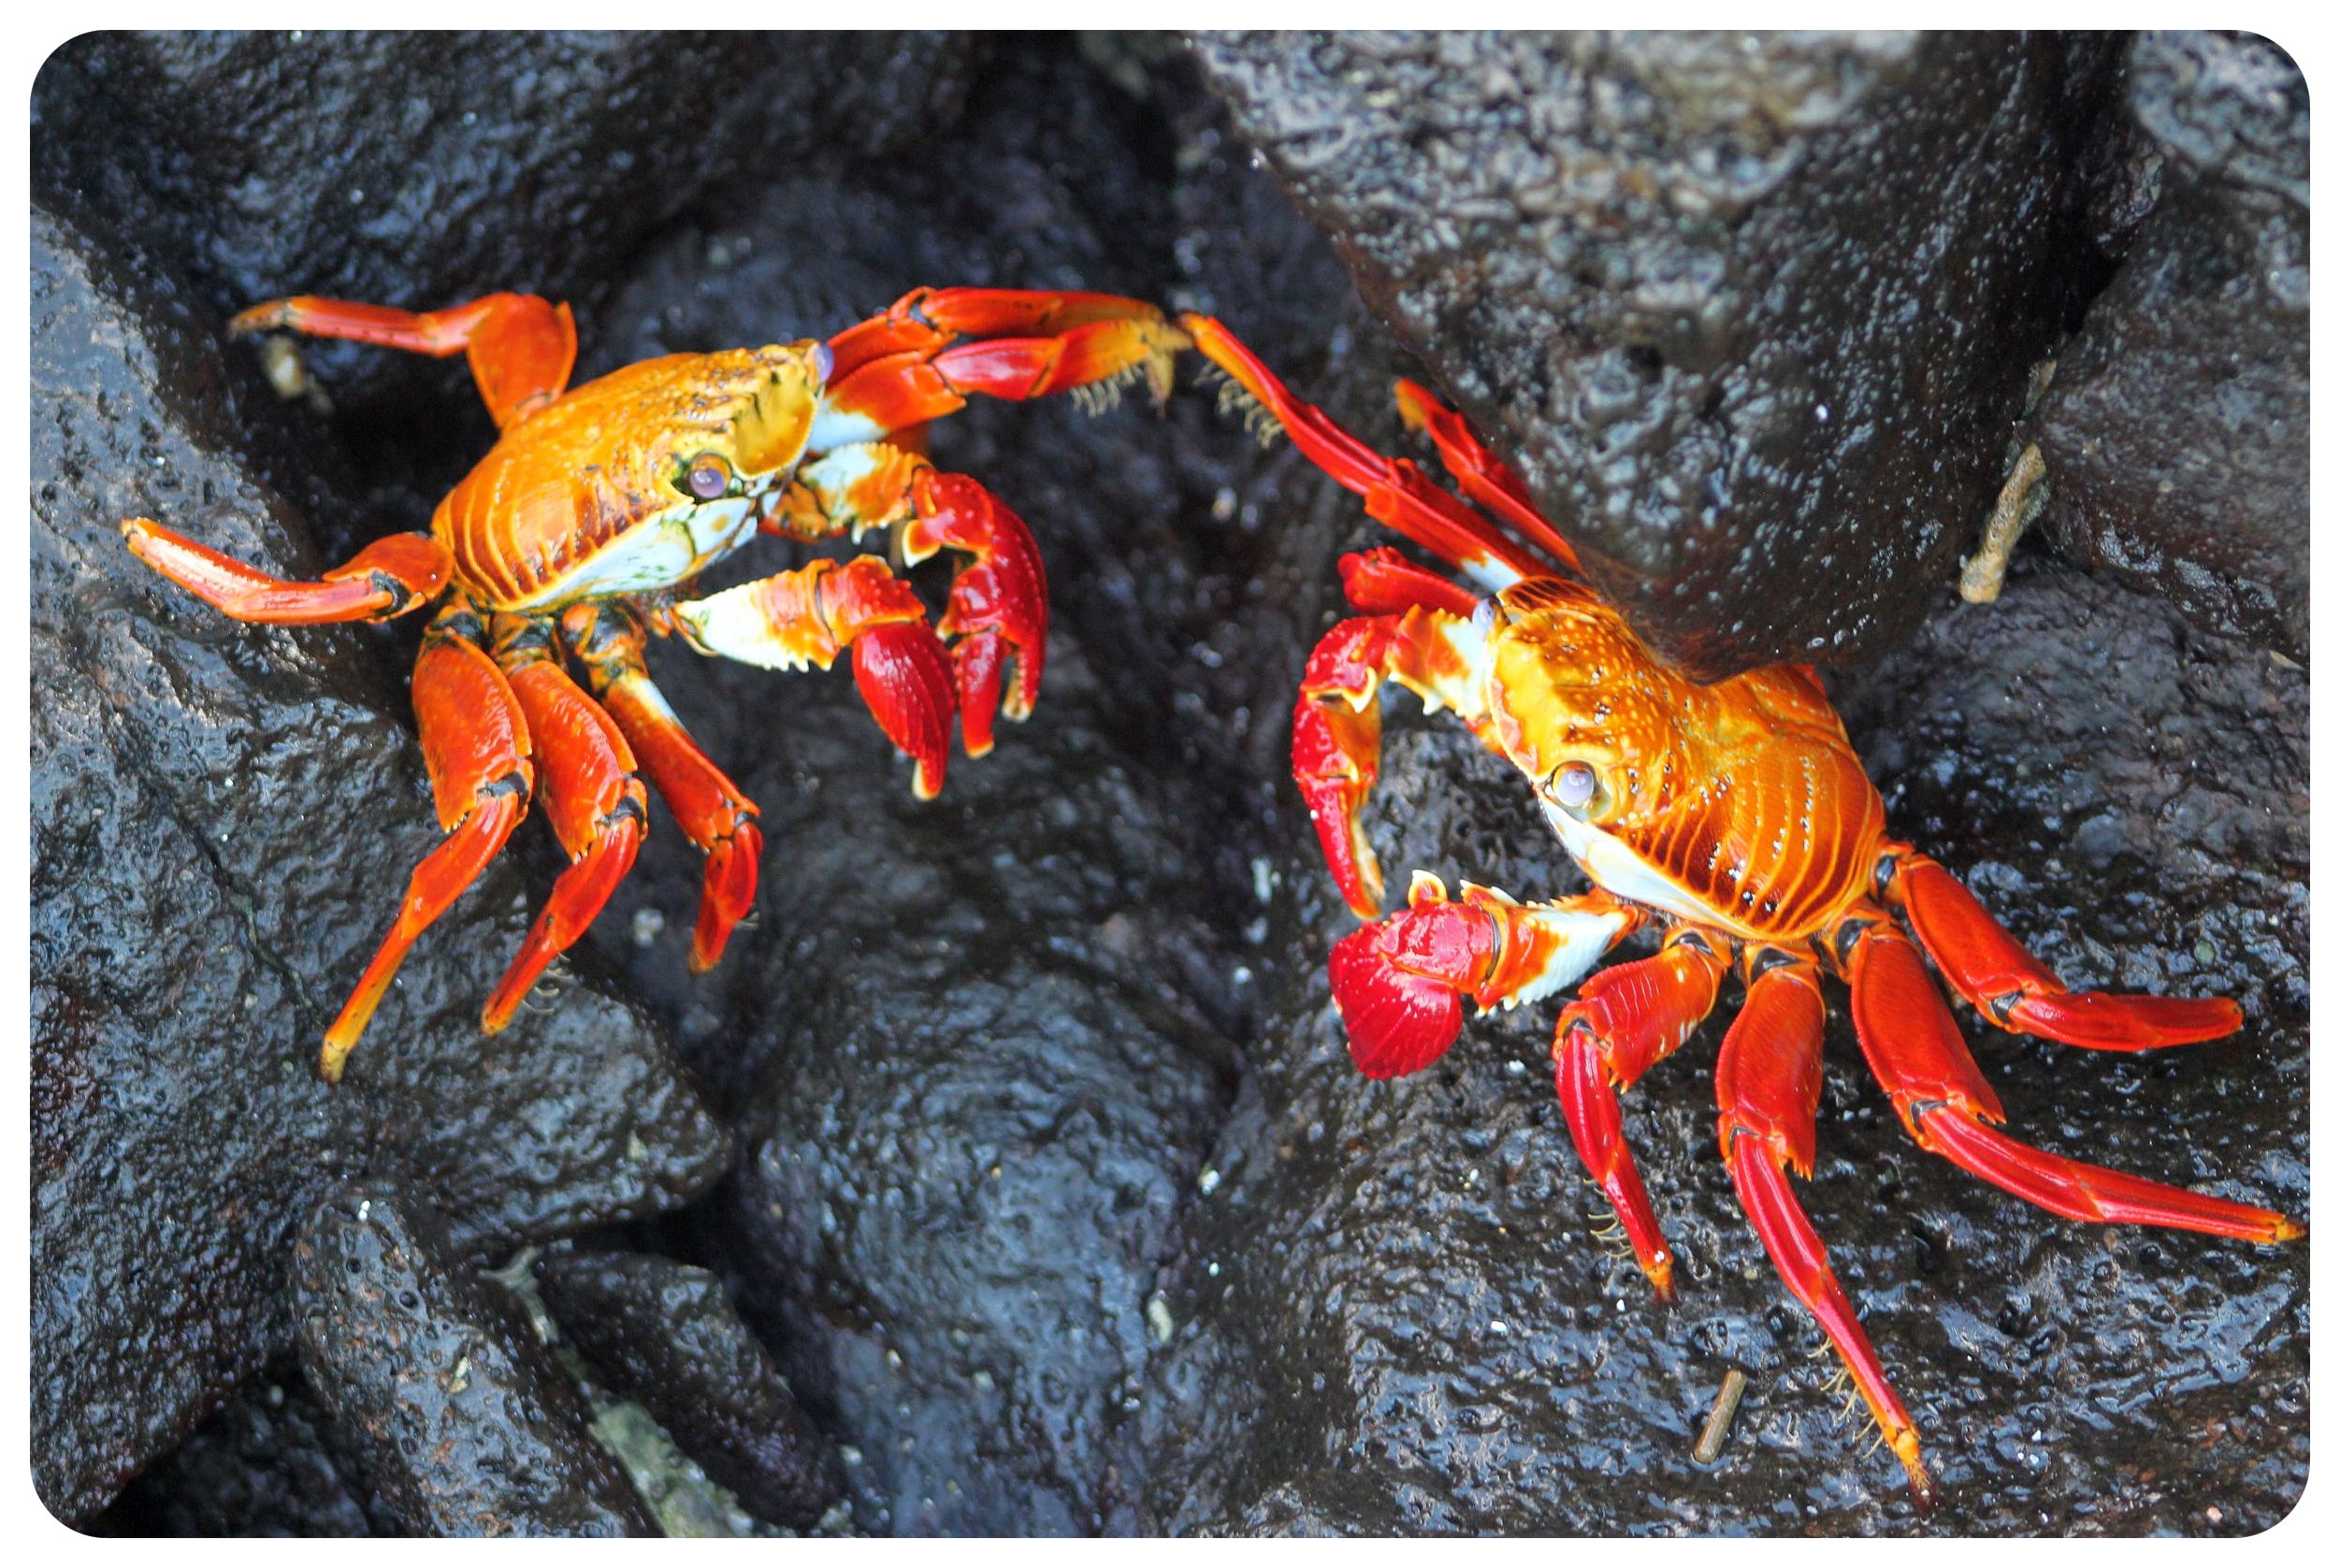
point(580, 533)
point(1734, 819)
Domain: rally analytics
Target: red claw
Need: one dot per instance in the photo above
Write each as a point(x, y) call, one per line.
point(1399, 984)
point(999, 601)
point(905, 677)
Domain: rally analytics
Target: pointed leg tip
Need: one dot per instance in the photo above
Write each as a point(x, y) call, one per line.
point(706, 947)
point(1922, 1489)
point(2287, 1230)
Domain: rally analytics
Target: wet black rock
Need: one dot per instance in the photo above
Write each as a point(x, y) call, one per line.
point(270, 1462)
point(1400, 1315)
point(665, 1336)
point(223, 818)
point(2175, 432)
point(1745, 311)
point(464, 1424)
point(417, 169)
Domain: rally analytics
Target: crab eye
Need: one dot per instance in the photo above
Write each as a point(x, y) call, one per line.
point(708, 477)
point(1574, 785)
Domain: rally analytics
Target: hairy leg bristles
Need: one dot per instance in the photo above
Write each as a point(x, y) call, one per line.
point(1232, 399)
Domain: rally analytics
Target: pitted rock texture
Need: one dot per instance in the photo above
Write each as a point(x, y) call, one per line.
point(665, 1336)
point(270, 1462)
point(1749, 314)
point(419, 169)
point(462, 1423)
point(2175, 431)
point(1400, 1313)
point(223, 818)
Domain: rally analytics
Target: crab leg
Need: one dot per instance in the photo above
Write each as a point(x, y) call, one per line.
point(812, 614)
point(900, 369)
point(607, 639)
point(1398, 982)
point(2016, 991)
point(1915, 1050)
point(389, 577)
point(596, 806)
point(1767, 1081)
point(1337, 722)
point(1395, 491)
point(1480, 474)
point(522, 347)
point(1625, 1021)
point(476, 744)
point(999, 600)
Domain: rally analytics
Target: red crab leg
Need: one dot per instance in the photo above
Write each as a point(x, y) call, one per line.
point(1395, 491)
point(813, 613)
point(715, 813)
point(521, 347)
point(1767, 1081)
point(902, 368)
point(389, 577)
point(999, 600)
point(2016, 991)
point(1915, 1050)
point(1336, 724)
point(1398, 982)
point(1480, 474)
point(476, 744)
point(1625, 1020)
point(594, 804)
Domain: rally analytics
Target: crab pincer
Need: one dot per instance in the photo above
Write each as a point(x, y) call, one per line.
point(808, 616)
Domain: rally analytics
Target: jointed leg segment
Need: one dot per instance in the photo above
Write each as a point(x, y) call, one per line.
point(477, 746)
point(715, 813)
point(522, 347)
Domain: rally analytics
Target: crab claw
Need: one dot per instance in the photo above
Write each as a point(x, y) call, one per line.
point(999, 601)
point(905, 676)
point(813, 613)
point(1399, 983)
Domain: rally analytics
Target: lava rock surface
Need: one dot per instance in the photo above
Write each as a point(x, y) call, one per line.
point(223, 818)
point(421, 168)
point(1743, 311)
point(2175, 432)
point(666, 1334)
point(462, 1422)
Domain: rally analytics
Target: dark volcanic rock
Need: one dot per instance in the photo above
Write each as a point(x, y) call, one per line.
point(417, 169)
point(1745, 311)
point(270, 1462)
point(223, 818)
point(1404, 1319)
point(463, 1423)
point(2175, 433)
point(664, 1334)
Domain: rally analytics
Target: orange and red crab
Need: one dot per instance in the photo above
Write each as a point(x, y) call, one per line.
point(579, 536)
point(1734, 817)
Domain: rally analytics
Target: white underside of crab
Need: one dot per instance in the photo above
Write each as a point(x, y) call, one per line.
point(1583, 939)
point(669, 548)
point(1617, 869)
